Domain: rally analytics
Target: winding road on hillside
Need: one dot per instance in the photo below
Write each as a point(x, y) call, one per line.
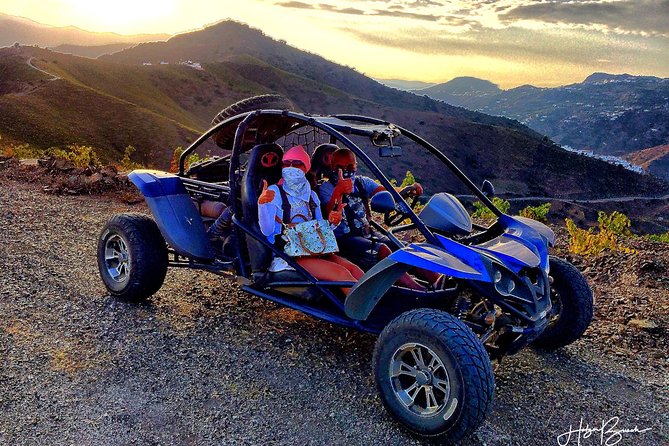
point(53, 76)
point(580, 201)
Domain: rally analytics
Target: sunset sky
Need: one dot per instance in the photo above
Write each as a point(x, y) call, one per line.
point(510, 42)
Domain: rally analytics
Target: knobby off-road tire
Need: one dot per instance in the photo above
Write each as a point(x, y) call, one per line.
point(225, 136)
point(572, 301)
point(132, 256)
point(459, 374)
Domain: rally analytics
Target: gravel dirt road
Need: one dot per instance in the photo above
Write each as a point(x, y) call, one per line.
point(203, 363)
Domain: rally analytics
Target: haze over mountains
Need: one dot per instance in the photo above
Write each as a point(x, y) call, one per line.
point(119, 100)
point(608, 114)
point(28, 32)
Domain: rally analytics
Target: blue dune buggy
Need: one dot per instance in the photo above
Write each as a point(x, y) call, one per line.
point(432, 360)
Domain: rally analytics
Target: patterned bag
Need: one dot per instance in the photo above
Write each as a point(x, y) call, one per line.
point(309, 238)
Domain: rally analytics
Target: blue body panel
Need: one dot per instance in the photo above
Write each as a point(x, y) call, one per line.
point(534, 235)
point(453, 259)
point(524, 244)
point(174, 212)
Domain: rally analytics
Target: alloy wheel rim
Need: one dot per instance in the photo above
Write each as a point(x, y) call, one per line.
point(117, 258)
point(419, 379)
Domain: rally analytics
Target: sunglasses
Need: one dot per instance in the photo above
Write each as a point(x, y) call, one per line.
point(346, 171)
point(293, 163)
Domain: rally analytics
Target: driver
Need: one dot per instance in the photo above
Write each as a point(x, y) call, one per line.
point(355, 237)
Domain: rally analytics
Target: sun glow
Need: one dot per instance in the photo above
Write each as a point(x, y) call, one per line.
point(124, 16)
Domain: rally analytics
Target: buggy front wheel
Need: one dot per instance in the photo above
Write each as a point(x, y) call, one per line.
point(572, 306)
point(433, 374)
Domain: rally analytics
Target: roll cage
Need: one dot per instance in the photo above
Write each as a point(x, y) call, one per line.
point(337, 127)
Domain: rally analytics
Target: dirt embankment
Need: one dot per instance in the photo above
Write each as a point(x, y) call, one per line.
point(203, 363)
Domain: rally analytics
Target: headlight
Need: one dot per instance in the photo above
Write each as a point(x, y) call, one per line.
point(504, 283)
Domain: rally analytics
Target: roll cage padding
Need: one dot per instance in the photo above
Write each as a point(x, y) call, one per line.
point(264, 164)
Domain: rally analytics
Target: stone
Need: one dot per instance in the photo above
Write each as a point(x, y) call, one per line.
point(644, 324)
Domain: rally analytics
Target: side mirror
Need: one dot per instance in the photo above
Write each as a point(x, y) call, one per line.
point(488, 189)
point(390, 151)
point(382, 202)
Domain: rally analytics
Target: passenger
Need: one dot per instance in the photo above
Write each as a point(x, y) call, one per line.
point(355, 237)
point(304, 206)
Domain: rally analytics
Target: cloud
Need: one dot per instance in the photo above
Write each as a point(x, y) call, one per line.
point(298, 5)
point(396, 10)
point(645, 17)
point(573, 47)
point(409, 15)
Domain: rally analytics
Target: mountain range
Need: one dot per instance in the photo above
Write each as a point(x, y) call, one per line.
point(606, 113)
point(24, 31)
point(404, 85)
point(146, 96)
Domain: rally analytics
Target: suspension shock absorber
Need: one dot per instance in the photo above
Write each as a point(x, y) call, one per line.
point(461, 305)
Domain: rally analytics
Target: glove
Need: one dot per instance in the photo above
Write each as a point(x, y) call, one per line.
point(415, 190)
point(335, 215)
point(266, 196)
point(344, 186)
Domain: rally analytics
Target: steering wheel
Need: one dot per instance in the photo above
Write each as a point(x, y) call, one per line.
point(392, 218)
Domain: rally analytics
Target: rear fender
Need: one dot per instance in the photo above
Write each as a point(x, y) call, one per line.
point(174, 212)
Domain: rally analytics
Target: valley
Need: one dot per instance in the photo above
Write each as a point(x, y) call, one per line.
point(608, 115)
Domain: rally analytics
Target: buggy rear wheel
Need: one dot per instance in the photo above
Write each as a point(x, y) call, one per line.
point(433, 374)
point(132, 256)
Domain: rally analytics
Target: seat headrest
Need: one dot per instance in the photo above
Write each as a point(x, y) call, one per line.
point(265, 164)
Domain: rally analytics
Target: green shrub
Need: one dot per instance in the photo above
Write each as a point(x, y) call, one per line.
point(408, 179)
point(589, 243)
point(664, 238)
point(538, 213)
point(481, 211)
point(80, 156)
point(22, 151)
point(126, 164)
point(174, 162)
point(617, 222)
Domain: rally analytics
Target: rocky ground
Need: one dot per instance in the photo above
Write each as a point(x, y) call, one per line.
point(203, 363)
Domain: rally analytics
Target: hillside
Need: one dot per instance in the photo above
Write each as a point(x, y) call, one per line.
point(228, 40)
point(92, 51)
point(116, 101)
point(461, 86)
point(28, 32)
point(43, 112)
point(608, 114)
point(654, 160)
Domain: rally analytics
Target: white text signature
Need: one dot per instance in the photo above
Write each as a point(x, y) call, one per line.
point(608, 433)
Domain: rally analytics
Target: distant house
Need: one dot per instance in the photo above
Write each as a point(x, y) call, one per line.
point(162, 62)
point(147, 63)
point(190, 63)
